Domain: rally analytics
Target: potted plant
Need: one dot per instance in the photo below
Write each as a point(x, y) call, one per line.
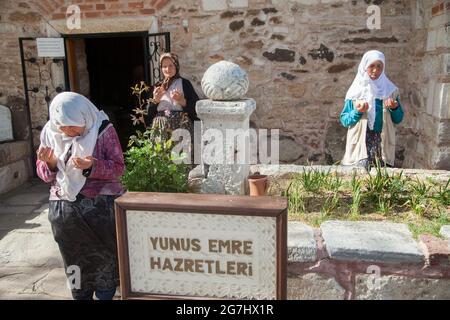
point(258, 184)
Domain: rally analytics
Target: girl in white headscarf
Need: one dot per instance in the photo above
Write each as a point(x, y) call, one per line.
point(372, 107)
point(81, 157)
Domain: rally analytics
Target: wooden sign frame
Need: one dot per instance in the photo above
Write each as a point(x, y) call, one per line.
point(265, 206)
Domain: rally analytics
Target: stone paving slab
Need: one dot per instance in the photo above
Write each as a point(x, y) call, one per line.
point(27, 198)
point(31, 266)
point(17, 210)
point(370, 241)
point(12, 221)
point(54, 284)
point(26, 249)
point(301, 243)
point(20, 280)
point(39, 221)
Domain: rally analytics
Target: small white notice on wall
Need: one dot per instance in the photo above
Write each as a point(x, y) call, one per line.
point(6, 129)
point(50, 47)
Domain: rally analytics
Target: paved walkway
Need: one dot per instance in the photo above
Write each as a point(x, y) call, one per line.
point(30, 263)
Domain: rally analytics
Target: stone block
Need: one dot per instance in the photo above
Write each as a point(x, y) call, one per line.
point(225, 147)
point(13, 175)
point(437, 251)
point(370, 287)
point(290, 150)
point(13, 151)
point(238, 3)
point(445, 231)
point(6, 129)
point(370, 241)
point(214, 5)
point(108, 25)
point(313, 286)
point(301, 243)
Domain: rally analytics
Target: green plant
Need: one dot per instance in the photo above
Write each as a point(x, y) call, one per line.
point(151, 164)
point(423, 204)
point(313, 180)
point(330, 204)
point(356, 196)
point(296, 201)
point(334, 182)
point(419, 199)
point(385, 191)
point(442, 194)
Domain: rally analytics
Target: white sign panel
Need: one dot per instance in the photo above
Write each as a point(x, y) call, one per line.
point(6, 129)
point(50, 47)
point(205, 255)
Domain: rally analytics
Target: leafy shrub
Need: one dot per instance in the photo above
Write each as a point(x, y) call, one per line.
point(151, 165)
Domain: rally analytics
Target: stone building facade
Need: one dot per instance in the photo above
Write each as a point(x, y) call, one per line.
point(300, 55)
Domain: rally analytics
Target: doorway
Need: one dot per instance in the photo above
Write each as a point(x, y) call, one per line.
point(114, 65)
point(103, 67)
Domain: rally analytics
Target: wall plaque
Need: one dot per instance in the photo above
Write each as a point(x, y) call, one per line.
point(201, 246)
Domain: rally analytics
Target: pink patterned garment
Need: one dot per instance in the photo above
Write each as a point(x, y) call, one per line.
point(106, 171)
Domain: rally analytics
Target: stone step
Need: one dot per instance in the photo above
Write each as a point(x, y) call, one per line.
point(370, 241)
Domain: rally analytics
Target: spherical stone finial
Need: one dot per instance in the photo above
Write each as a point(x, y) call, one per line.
point(225, 80)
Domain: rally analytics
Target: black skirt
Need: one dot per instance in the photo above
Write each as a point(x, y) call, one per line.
point(85, 231)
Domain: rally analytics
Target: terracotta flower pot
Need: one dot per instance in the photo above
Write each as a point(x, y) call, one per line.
point(258, 184)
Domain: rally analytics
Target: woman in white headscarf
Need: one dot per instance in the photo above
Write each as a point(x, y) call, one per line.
point(81, 157)
point(372, 108)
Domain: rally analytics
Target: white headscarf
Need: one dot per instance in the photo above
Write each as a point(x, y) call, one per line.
point(364, 88)
point(71, 109)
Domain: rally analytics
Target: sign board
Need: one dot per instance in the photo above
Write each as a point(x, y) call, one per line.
point(6, 129)
point(50, 47)
point(201, 246)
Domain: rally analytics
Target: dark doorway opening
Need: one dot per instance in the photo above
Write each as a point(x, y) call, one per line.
point(114, 65)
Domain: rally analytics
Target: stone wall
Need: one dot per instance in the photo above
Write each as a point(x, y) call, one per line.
point(427, 140)
point(15, 164)
point(301, 57)
point(366, 261)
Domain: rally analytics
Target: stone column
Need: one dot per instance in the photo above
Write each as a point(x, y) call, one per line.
point(438, 103)
point(430, 147)
point(225, 160)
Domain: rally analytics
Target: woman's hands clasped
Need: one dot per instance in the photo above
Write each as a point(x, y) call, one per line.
point(47, 155)
point(158, 93)
point(83, 163)
point(390, 103)
point(362, 106)
point(178, 97)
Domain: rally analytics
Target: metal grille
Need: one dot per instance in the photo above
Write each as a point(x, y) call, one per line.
point(157, 44)
point(43, 79)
